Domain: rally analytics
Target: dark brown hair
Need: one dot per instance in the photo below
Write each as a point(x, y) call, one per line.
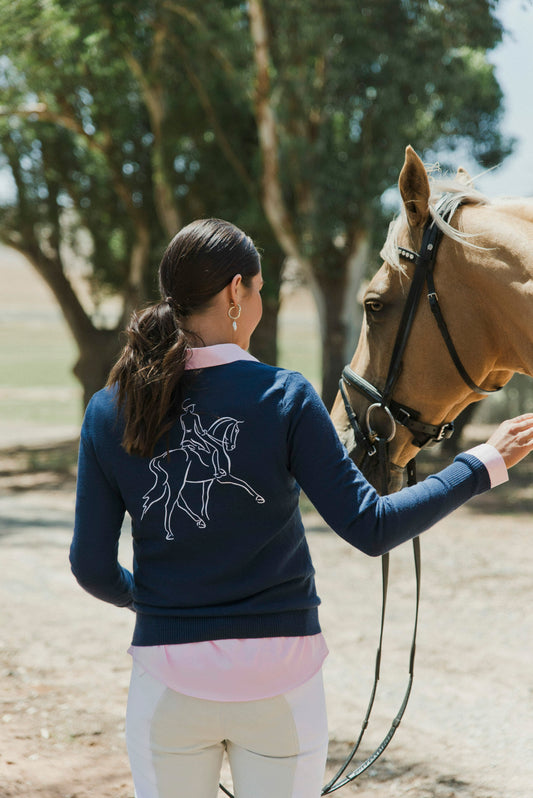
point(199, 262)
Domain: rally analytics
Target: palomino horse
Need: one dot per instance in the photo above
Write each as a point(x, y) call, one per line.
point(468, 329)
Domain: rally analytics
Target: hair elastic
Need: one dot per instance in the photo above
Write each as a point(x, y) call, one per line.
point(171, 302)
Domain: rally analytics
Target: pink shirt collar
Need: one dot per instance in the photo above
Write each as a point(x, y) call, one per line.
point(217, 355)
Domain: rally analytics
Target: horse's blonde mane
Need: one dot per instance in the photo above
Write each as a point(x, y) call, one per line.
point(459, 193)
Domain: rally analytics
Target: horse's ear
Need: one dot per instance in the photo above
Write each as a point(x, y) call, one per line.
point(414, 188)
point(463, 177)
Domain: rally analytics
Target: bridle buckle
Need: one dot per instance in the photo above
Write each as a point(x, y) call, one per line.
point(402, 416)
point(445, 432)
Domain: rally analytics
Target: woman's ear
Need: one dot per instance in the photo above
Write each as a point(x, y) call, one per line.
point(235, 288)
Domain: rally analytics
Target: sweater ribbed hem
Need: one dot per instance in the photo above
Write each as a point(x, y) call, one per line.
point(159, 630)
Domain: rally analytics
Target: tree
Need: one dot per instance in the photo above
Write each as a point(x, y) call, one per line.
point(71, 174)
point(111, 152)
point(80, 159)
point(341, 88)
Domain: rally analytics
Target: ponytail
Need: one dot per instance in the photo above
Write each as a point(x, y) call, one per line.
point(148, 373)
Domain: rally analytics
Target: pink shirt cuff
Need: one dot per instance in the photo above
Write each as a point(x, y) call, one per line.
point(493, 462)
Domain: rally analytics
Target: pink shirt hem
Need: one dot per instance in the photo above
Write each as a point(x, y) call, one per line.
point(234, 670)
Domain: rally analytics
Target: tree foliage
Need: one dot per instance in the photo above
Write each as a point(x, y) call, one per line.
point(121, 121)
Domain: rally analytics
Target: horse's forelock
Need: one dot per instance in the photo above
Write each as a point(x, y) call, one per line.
point(459, 193)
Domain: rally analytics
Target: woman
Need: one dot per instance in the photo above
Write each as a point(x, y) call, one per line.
point(206, 449)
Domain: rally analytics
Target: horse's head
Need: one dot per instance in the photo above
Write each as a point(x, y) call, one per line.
point(424, 388)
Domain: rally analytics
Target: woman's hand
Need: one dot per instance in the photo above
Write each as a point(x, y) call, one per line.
point(514, 439)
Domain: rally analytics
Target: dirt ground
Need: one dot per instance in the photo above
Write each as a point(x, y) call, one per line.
point(468, 729)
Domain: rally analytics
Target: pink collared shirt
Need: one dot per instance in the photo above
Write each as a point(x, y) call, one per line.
point(254, 668)
point(493, 462)
point(216, 355)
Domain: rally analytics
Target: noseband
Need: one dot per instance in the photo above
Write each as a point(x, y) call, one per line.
point(424, 434)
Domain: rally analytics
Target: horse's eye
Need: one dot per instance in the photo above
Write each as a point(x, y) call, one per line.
point(373, 305)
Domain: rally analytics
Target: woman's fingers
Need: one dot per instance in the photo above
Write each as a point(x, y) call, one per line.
point(514, 438)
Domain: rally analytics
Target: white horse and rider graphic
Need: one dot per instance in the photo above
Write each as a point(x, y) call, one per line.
point(203, 459)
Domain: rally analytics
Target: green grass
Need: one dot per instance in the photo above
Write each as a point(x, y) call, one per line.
point(37, 386)
point(41, 411)
point(34, 355)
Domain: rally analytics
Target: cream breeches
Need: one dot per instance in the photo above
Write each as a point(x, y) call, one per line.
point(276, 747)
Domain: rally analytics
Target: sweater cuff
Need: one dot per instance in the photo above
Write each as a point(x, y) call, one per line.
point(493, 462)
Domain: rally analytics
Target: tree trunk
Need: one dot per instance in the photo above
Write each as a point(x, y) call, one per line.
point(97, 348)
point(98, 351)
point(333, 335)
point(352, 308)
point(264, 340)
point(154, 97)
point(340, 312)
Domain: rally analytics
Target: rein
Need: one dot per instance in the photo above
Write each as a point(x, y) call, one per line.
point(337, 781)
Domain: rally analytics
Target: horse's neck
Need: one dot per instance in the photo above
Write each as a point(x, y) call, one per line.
point(516, 207)
point(507, 266)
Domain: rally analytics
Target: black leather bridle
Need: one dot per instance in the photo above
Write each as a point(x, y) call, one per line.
point(424, 434)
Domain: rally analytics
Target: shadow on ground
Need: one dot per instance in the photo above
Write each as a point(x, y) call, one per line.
point(42, 467)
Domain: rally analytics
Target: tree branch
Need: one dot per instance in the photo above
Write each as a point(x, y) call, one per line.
point(141, 247)
point(50, 269)
point(23, 110)
point(273, 201)
point(195, 20)
point(153, 95)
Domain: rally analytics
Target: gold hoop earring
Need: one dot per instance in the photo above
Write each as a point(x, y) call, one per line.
point(234, 317)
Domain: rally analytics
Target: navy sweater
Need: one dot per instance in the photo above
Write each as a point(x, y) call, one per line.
point(218, 541)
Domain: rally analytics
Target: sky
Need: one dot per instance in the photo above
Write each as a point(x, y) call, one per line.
point(513, 60)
